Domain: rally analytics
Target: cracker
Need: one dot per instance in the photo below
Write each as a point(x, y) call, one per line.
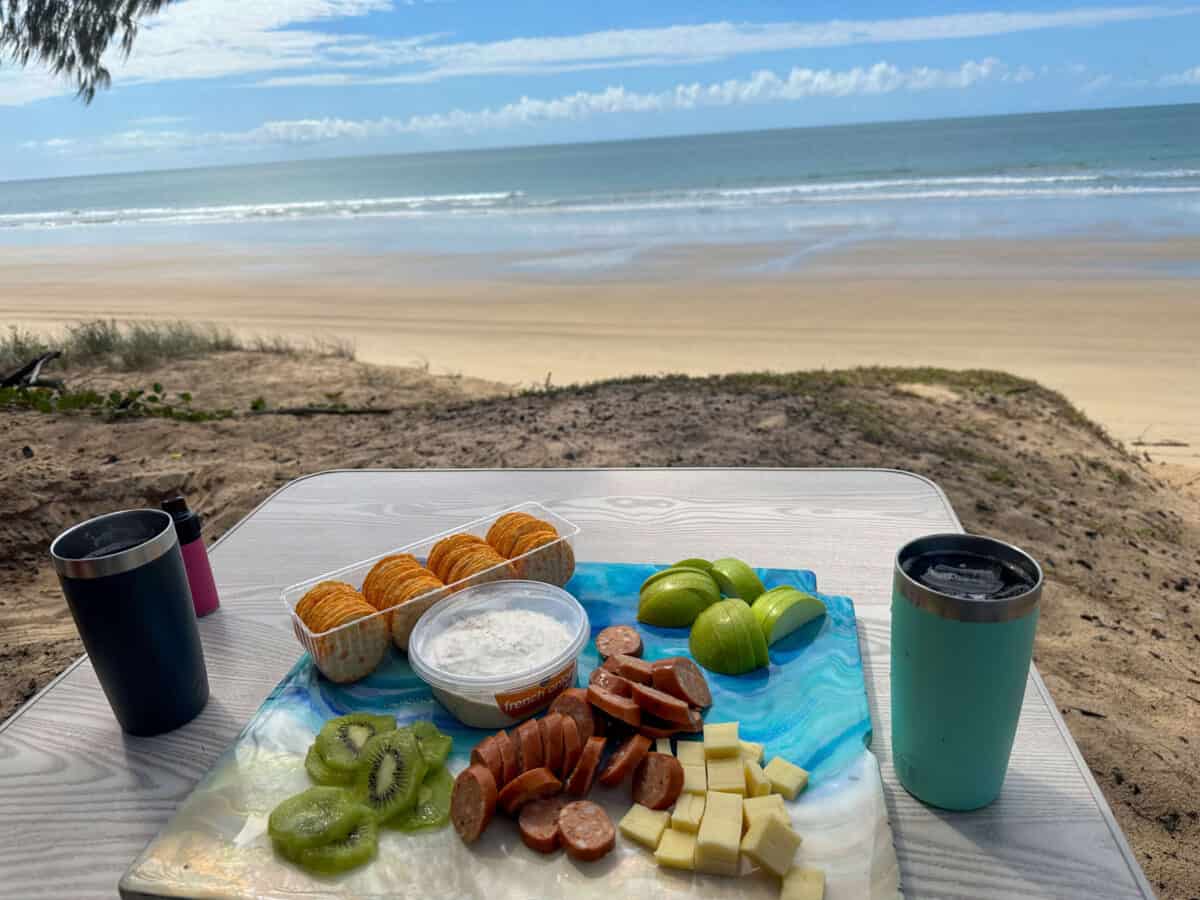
point(388, 563)
point(416, 588)
point(503, 523)
point(442, 548)
point(333, 608)
point(314, 596)
point(532, 540)
point(473, 561)
point(515, 533)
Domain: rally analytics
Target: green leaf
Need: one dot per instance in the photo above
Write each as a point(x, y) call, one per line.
point(185, 397)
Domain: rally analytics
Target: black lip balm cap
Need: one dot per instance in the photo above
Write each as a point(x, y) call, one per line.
point(187, 523)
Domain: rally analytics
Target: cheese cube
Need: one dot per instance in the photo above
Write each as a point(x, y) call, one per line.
point(751, 751)
point(727, 775)
point(695, 780)
point(644, 825)
point(676, 850)
point(803, 884)
point(757, 784)
point(663, 745)
point(719, 837)
point(770, 805)
point(690, 753)
point(712, 865)
point(771, 843)
point(689, 810)
point(721, 740)
point(786, 778)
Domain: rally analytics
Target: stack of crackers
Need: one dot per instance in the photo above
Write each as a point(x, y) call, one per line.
point(517, 545)
point(350, 653)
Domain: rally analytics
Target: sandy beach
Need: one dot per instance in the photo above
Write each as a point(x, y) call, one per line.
point(1092, 319)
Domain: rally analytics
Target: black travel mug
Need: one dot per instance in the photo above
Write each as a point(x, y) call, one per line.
point(127, 589)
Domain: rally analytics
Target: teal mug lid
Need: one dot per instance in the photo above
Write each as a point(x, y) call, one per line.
point(963, 606)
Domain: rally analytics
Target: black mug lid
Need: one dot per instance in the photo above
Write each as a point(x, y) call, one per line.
point(135, 536)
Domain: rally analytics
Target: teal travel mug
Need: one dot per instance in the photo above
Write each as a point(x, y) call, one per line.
point(964, 612)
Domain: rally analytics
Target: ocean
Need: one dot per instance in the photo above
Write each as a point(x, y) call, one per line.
point(1126, 173)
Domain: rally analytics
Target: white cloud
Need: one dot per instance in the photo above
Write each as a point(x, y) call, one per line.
point(198, 39)
point(719, 40)
point(1185, 78)
point(760, 87)
point(158, 120)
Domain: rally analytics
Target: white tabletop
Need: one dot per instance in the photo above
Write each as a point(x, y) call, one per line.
point(78, 799)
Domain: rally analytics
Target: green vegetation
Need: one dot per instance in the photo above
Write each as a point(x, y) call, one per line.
point(130, 404)
point(135, 346)
point(70, 37)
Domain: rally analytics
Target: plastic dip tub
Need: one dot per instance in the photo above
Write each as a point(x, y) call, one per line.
point(497, 653)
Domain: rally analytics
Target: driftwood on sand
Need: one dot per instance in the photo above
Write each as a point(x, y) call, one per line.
point(29, 375)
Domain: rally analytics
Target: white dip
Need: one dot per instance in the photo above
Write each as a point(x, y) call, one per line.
point(498, 642)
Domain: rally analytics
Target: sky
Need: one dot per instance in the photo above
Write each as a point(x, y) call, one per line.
point(215, 82)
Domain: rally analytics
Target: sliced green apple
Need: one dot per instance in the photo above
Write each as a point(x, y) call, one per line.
point(781, 611)
point(694, 563)
point(674, 600)
point(678, 567)
point(726, 638)
point(737, 579)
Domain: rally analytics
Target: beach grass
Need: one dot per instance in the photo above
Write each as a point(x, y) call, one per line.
point(134, 346)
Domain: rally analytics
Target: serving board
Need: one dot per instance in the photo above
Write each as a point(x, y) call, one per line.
point(810, 706)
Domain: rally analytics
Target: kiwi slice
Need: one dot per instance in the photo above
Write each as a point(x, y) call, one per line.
point(341, 740)
point(435, 746)
point(320, 772)
point(311, 818)
point(353, 850)
point(391, 772)
point(432, 809)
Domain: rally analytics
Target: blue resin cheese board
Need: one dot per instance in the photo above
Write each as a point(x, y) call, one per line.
point(809, 706)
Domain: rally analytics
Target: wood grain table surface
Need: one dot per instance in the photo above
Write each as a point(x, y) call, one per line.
point(79, 799)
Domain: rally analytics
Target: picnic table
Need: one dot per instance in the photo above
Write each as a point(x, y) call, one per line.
point(79, 799)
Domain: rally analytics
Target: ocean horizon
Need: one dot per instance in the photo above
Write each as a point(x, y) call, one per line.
point(1128, 173)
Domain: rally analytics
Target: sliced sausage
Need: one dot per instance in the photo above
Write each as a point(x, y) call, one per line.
point(529, 740)
point(611, 681)
point(580, 781)
point(587, 831)
point(473, 802)
point(619, 639)
point(552, 742)
point(538, 823)
point(573, 702)
point(695, 722)
point(658, 781)
point(572, 745)
point(654, 727)
point(660, 704)
point(629, 667)
point(618, 707)
point(527, 786)
point(682, 678)
point(623, 763)
point(487, 754)
point(508, 757)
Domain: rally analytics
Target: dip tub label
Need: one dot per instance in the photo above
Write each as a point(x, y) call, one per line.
point(527, 701)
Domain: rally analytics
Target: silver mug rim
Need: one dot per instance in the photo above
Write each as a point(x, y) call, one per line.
point(964, 609)
point(115, 563)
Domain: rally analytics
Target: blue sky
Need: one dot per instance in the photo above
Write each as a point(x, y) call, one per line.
point(238, 81)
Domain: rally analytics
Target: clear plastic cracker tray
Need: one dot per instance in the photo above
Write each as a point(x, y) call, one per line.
point(351, 651)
